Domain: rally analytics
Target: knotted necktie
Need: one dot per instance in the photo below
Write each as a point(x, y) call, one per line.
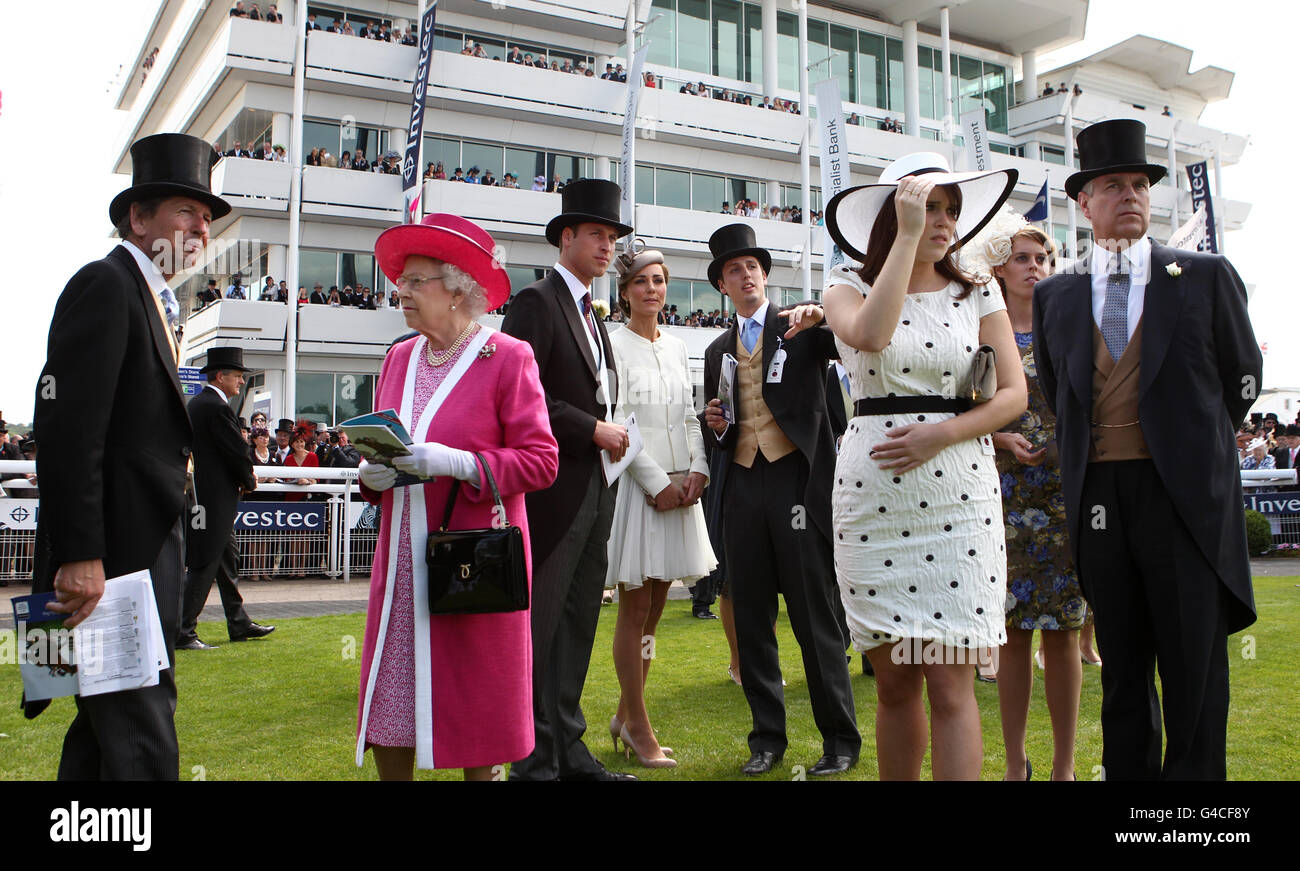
point(170, 306)
point(586, 317)
point(1114, 314)
point(749, 336)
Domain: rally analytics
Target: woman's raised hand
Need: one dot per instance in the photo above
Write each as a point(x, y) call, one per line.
point(909, 204)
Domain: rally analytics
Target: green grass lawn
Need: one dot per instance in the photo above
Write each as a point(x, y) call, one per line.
point(285, 708)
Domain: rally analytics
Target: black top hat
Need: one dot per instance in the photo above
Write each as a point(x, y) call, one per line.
point(1119, 145)
point(1292, 429)
point(169, 165)
point(225, 358)
point(3, 426)
point(587, 200)
point(730, 242)
point(284, 425)
point(243, 423)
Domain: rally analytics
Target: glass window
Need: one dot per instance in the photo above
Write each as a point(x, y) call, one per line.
point(969, 73)
point(446, 40)
point(320, 134)
point(645, 184)
point(787, 50)
point(726, 38)
point(526, 163)
point(567, 165)
point(679, 294)
point(362, 139)
point(673, 188)
point(707, 192)
point(844, 61)
point(445, 150)
point(356, 270)
point(743, 189)
point(995, 96)
point(894, 50)
point(818, 48)
point(753, 44)
point(871, 70)
point(485, 157)
point(693, 35)
point(662, 34)
point(926, 81)
point(314, 266)
point(521, 277)
point(315, 396)
point(353, 395)
point(1053, 155)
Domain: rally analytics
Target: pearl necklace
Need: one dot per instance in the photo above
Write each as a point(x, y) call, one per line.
point(441, 358)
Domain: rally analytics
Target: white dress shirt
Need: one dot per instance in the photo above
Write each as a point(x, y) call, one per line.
point(1136, 261)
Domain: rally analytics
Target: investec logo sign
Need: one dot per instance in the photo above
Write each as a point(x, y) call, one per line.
point(91, 825)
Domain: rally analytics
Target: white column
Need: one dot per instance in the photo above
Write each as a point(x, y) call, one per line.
point(769, 48)
point(946, 46)
point(1172, 158)
point(1028, 75)
point(275, 264)
point(1218, 198)
point(281, 128)
point(805, 169)
point(911, 85)
point(601, 287)
point(601, 168)
point(289, 407)
point(773, 192)
point(397, 142)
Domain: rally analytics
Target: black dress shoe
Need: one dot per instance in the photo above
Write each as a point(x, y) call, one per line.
point(830, 764)
point(704, 614)
point(600, 776)
point(254, 630)
point(196, 644)
point(866, 667)
point(761, 762)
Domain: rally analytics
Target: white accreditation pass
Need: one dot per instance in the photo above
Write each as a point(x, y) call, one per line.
point(777, 366)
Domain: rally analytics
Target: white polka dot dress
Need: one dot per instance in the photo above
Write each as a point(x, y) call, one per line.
point(921, 554)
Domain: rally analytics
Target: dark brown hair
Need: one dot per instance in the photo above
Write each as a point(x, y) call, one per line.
point(885, 230)
point(623, 305)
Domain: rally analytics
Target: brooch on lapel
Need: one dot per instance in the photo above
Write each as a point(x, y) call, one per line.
point(1174, 269)
point(487, 351)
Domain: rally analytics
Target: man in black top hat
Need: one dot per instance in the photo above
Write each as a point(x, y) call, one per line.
point(771, 492)
point(223, 472)
point(283, 433)
point(1147, 357)
point(114, 443)
point(569, 522)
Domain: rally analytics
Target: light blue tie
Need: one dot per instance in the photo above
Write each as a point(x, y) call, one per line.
point(844, 379)
point(1114, 314)
point(170, 306)
point(749, 336)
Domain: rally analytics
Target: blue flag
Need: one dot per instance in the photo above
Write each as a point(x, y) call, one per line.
point(1039, 210)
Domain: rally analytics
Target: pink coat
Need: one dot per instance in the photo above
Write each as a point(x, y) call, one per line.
point(474, 681)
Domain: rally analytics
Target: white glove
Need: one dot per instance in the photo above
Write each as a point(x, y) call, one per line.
point(434, 460)
point(376, 476)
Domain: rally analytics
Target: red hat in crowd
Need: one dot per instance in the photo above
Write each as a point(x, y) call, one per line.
point(451, 239)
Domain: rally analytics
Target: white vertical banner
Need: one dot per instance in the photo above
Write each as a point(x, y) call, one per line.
point(1189, 236)
point(977, 140)
point(627, 171)
point(834, 160)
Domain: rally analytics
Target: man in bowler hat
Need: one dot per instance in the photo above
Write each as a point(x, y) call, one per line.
point(772, 494)
point(570, 521)
point(112, 487)
point(1147, 357)
point(223, 472)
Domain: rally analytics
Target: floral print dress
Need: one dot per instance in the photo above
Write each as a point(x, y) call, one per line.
point(1042, 587)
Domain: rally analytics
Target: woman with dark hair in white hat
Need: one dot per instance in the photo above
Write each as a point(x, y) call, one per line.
point(916, 504)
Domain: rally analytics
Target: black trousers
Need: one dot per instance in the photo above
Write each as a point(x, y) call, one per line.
point(565, 610)
point(198, 584)
point(1158, 604)
point(131, 735)
point(772, 549)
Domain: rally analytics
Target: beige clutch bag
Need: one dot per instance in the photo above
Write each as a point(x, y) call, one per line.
point(983, 375)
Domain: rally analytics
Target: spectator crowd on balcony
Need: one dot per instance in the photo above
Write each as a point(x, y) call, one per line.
point(253, 13)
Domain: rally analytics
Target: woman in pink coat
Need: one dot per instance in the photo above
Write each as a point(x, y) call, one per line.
point(449, 691)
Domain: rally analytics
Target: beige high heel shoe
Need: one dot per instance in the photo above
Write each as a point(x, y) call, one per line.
point(629, 748)
point(615, 732)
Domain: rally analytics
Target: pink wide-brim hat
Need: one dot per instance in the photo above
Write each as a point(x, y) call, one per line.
point(451, 239)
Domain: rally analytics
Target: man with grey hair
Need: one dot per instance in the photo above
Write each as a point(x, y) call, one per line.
point(115, 439)
point(1147, 357)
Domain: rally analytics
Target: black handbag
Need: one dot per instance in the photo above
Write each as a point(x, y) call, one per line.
point(477, 571)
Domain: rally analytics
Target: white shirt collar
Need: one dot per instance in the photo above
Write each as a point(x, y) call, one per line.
point(576, 287)
point(152, 274)
point(1134, 259)
point(759, 315)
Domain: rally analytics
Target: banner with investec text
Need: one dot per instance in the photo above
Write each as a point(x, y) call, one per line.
point(411, 160)
point(1199, 177)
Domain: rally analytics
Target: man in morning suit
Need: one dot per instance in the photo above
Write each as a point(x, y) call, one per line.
point(1147, 357)
point(223, 472)
point(772, 493)
point(569, 522)
point(115, 441)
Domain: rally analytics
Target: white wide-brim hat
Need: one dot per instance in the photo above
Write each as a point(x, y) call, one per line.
point(852, 213)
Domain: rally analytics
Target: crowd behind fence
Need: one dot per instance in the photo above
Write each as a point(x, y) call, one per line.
point(333, 532)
